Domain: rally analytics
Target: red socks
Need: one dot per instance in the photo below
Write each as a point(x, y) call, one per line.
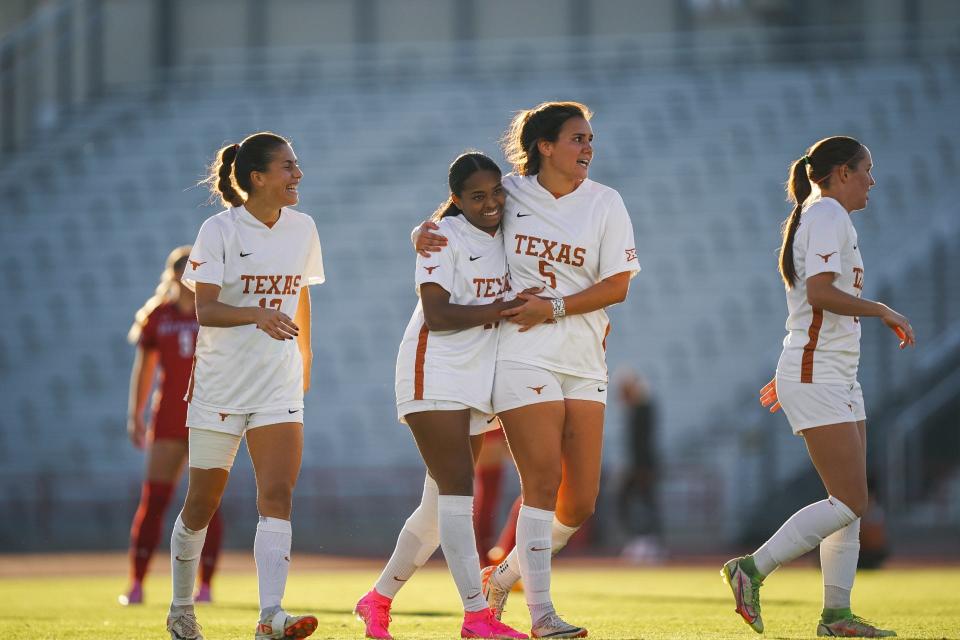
point(147, 523)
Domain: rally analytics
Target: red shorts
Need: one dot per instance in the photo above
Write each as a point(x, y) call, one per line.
point(170, 421)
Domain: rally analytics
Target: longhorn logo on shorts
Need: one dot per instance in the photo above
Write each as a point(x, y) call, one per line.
point(631, 254)
point(224, 416)
point(826, 257)
point(539, 389)
point(195, 264)
point(430, 269)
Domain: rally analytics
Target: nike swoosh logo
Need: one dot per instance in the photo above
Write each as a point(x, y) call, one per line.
point(601, 389)
point(244, 255)
point(400, 579)
point(491, 419)
point(477, 258)
point(293, 410)
point(473, 596)
point(539, 548)
point(287, 558)
point(179, 559)
point(524, 215)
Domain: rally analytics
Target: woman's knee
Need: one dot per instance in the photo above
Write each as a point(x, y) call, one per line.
point(455, 482)
point(855, 501)
point(275, 497)
point(541, 489)
point(198, 509)
point(576, 514)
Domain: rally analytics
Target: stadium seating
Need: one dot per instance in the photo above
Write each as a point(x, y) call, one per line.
point(699, 158)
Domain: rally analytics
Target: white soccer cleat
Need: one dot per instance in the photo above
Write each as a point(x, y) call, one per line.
point(495, 594)
point(282, 625)
point(183, 625)
point(553, 626)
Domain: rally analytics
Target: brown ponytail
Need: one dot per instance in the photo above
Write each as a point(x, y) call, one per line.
point(221, 176)
point(814, 167)
point(229, 176)
point(530, 126)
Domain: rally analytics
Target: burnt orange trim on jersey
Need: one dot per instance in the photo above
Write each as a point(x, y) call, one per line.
point(605, 334)
point(193, 371)
point(806, 363)
point(418, 363)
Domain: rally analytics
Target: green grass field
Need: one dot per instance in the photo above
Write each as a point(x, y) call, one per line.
point(611, 603)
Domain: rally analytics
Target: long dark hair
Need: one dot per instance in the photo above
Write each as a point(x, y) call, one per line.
point(229, 176)
point(530, 126)
point(466, 164)
point(814, 167)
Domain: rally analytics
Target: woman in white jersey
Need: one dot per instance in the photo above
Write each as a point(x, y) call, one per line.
point(572, 236)
point(443, 383)
point(816, 381)
point(251, 267)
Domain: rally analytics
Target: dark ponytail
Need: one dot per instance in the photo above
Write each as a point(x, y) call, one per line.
point(814, 167)
point(465, 165)
point(229, 176)
point(530, 126)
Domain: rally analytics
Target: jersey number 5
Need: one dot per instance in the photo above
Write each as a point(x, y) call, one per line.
point(274, 304)
point(548, 273)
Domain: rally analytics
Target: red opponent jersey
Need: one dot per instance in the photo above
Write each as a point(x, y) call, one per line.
point(173, 334)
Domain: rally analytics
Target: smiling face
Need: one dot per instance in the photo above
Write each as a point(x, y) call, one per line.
point(482, 200)
point(569, 157)
point(280, 181)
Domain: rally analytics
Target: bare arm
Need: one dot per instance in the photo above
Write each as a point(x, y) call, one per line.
point(213, 313)
point(441, 315)
point(302, 320)
point(141, 382)
point(425, 241)
point(822, 294)
point(536, 310)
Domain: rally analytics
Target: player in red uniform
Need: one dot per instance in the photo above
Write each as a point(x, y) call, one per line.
point(165, 332)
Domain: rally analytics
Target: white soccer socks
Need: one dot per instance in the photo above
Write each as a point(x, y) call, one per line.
point(271, 552)
point(508, 571)
point(534, 547)
point(802, 532)
point(459, 544)
point(839, 553)
point(417, 541)
point(185, 547)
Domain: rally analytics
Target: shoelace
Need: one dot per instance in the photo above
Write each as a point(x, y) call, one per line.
point(554, 620)
point(383, 609)
point(189, 624)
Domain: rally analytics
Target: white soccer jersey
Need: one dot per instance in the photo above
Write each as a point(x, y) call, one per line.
point(821, 346)
point(242, 369)
point(567, 245)
point(455, 365)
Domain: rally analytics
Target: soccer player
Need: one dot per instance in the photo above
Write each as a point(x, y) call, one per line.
point(573, 237)
point(165, 332)
point(250, 267)
point(444, 380)
point(816, 381)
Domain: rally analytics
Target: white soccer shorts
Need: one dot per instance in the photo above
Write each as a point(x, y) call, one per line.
point(517, 384)
point(480, 422)
point(238, 423)
point(817, 404)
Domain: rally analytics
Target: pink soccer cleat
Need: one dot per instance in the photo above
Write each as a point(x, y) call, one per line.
point(374, 610)
point(484, 624)
point(134, 596)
